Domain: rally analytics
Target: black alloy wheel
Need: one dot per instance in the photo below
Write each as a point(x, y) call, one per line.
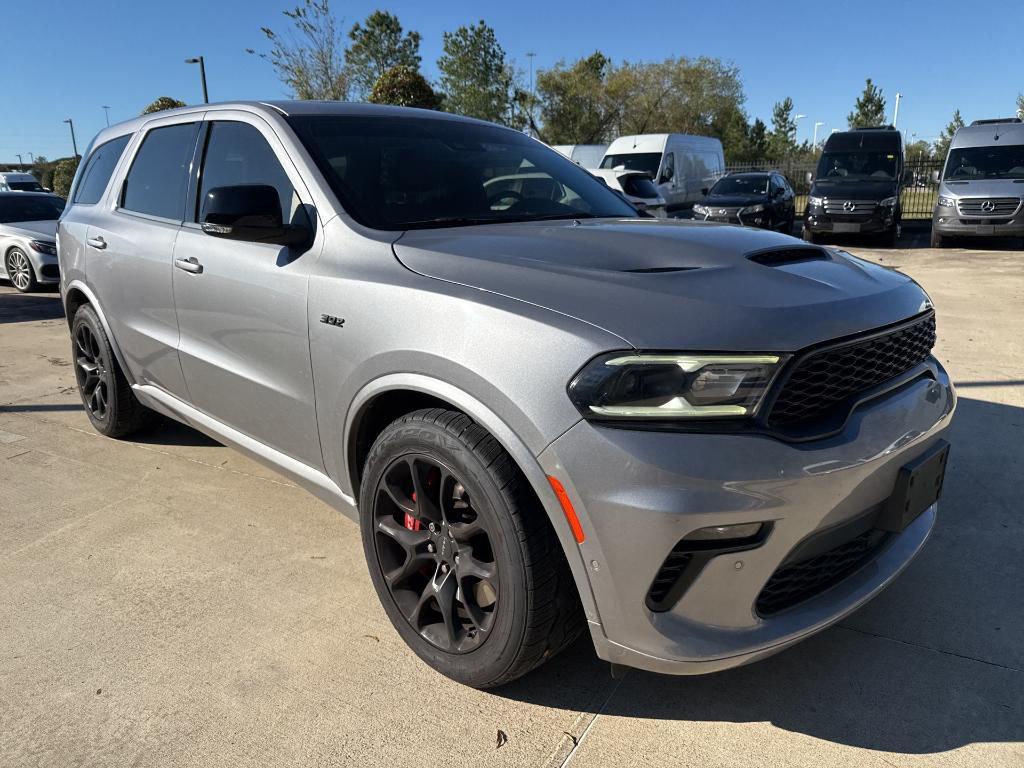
point(93, 373)
point(435, 553)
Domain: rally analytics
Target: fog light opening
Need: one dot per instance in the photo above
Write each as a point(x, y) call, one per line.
point(724, 533)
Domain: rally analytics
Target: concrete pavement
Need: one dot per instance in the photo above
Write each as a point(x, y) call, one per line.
point(168, 602)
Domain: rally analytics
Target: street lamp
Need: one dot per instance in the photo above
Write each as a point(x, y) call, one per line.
point(74, 144)
point(530, 55)
point(896, 111)
point(202, 75)
point(814, 141)
point(31, 158)
point(106, 113)
point(20, 162)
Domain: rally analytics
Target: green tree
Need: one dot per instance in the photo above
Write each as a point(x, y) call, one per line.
point(782, 141)
point(918, 150)
point(162, 103)
point(758, 140)
point(308, 59)
point(63, 175)
point(476, 79)
point(576, 107)
point(403, 86)
point(378, 45)
point(1020, 105)
point(942, 143)
point(869, 109)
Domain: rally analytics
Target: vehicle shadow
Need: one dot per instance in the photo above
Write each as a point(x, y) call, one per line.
point(25, 307)
point(931, 665)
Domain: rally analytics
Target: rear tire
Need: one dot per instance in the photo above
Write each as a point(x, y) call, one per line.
point(20, 271)
point(463, 558)
point(106, 394)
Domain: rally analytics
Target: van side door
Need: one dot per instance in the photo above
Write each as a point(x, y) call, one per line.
point(667, 180)
point(129, 247)
point(241, 306)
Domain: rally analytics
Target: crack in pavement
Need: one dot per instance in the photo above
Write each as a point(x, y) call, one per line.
point(929, 648)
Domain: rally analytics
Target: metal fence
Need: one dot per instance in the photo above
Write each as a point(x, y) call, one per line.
point(919, 192)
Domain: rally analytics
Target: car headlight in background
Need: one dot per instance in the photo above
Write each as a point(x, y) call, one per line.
point(700, 209)
point(43, 247)
point(816, 202)
point(751, 209)
point(945, 202)
point(889, 202)
point(623, 385)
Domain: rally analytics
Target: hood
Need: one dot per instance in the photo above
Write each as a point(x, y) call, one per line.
point(984, 188)
point(670, 284)
point(865, 189)
point(31, 228)
point(734, 201)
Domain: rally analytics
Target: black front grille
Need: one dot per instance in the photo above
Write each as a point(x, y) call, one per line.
point(822, 379)
point(796, 582)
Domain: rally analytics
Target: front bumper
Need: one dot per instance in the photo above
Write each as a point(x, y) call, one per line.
point(45, 265)
point(637, 493)
point(881, 220)
point(947, 221)
point(761, 219)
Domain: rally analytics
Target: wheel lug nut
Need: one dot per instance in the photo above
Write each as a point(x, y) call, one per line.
point(444, 568)
point(456, 559)
point(430, 547)
point(433, 528)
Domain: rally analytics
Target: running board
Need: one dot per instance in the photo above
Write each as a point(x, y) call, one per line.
point(313, 480)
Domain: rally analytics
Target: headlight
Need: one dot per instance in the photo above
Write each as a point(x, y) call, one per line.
point(623, 385)
point(700, 209)
point(889, 202)
point(751, 209)
point(43, 247)
point(946, 202)
point(816, 202)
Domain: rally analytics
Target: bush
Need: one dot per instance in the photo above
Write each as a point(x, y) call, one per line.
point(63, 175)
point(162, 103)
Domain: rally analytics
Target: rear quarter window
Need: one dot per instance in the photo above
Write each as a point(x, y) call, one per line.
point(98, 170)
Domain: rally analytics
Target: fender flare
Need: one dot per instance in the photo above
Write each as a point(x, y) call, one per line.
point(78, 285)
point(501, 432)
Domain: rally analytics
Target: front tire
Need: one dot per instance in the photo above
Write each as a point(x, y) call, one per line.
point(462, 556)
point(106, 394)
point(19, 271)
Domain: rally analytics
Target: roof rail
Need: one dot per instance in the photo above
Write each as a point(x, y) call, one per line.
point(997, 120)
point(874, 128)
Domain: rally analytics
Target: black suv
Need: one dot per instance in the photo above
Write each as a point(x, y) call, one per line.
point(762, 199)
point(856, 189)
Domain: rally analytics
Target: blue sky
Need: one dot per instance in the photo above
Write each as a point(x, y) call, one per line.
point(78, 55)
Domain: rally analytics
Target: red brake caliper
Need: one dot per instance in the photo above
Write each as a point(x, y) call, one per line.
point(411, 522)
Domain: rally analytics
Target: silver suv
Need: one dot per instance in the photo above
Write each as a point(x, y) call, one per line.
point(703, 443)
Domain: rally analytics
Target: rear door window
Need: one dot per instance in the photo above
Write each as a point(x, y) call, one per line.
point(158, 177)
point(98, 170)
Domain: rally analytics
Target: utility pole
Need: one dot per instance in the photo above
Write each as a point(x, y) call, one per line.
point(896, 111)
point(814, 141)
point(106, 114)
point(74, 144)
point(202, 74)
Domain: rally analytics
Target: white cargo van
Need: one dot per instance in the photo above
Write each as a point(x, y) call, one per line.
point(982, 189)
point(20, 182)
point(584, 155)
point(681, 165)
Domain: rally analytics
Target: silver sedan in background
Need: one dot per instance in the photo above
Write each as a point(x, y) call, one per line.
point(28, 225)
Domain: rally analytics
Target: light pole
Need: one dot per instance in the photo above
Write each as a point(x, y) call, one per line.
point(106, 113)
point(814, 141)
point(31, 158)
point(896, 110)
point(202, 75)
point(20, 163)
point(74, 144)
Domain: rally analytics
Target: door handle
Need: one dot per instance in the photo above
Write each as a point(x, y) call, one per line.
point(191, 264)
point(97, 242)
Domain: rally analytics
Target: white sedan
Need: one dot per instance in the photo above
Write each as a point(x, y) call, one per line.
point(28, 248)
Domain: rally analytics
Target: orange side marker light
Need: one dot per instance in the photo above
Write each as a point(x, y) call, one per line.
point(570, 513)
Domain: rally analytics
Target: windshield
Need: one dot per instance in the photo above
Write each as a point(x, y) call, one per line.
point(857, 166)
point(741, 185)
point(419, 173)
point(30, 208)
point(648, 162)
point(1003, 162)
point(25, 186)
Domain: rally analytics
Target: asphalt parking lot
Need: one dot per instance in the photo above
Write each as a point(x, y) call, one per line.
point(168, 602)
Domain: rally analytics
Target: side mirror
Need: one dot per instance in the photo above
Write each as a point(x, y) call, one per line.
point(704, 191)
point(249, 212)
point(908, 176)
point(809, 178)
point(935, 177)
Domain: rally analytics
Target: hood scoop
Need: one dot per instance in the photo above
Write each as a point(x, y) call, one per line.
point(778, 257)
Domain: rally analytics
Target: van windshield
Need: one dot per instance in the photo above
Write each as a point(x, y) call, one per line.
point(857, 166)
point(647, 162)
point(423, 173)
point(1002, 162)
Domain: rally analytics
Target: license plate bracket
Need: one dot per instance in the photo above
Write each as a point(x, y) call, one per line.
point(918, 486)
point(844, 227)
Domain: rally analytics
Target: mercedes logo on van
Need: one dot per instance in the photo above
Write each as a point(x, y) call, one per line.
point(988, 206)
point(849, 206)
